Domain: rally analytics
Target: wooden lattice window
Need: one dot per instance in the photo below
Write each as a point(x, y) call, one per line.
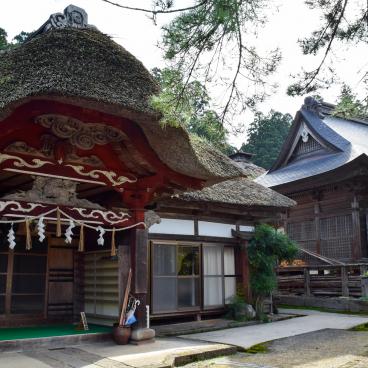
point(336, 236)
point(304, 234)
point(302, 231)
point(101, 292)
point(303, 148)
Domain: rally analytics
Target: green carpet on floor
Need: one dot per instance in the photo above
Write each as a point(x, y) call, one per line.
point(48, 331)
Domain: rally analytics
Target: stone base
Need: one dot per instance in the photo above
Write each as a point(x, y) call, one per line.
point(142, 335)
point(142, 342)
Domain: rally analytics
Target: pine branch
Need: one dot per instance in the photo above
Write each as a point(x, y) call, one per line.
point(155, 12)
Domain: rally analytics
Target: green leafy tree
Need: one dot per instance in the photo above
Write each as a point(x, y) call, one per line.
point(343, 22)
point(266, 249)
point(191, 110)
point(20, 38)
point(349, 106)
point(3, 40)
point(213, 41)
point(266, 134)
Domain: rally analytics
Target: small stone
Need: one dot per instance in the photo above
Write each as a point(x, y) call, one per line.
point(143, 334)
point(246, 311)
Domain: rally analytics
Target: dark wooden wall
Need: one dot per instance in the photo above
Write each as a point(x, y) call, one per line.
point(330, 220)
point(60, 279)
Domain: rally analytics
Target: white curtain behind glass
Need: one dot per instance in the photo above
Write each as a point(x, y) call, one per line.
point(229, 269)
point(212, 271)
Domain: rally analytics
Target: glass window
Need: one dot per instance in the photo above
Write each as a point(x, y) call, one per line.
point(164, 279)
point(230, 289)
point(229, 274)
point(176, 280)
point(229, 261)
point(188, 292)
point(164, 260)
point(219, 275)
point(164, 294)
point(212, 260)
point(188, 261)
point(213, 293)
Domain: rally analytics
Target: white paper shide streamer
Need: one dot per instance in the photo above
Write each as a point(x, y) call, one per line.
point(100, 240)
point(69, 232)
point(41, 229)
point(11, 237)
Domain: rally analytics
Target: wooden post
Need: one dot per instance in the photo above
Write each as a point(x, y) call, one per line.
point(317, 227)
point(344, 282)
point(139, 262)
point(307, 290)
point(124, 266)
point(356, 246)
point(364, 281)
point(245, 270)
point(78, 290)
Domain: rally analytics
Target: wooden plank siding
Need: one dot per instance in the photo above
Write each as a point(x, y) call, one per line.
point(321, 281)
point(330, 221)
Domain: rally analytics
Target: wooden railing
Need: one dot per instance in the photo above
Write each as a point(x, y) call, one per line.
point(322, 281)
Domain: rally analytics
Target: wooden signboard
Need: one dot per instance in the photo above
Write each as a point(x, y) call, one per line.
point(83, 324)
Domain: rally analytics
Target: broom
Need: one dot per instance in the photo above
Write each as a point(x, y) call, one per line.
point(125, 301)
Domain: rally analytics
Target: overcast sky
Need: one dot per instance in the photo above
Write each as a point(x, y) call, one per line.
point(137, 33)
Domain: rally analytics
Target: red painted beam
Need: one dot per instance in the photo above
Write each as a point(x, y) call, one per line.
point(23, 116)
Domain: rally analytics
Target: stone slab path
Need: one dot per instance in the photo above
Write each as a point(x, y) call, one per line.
point(162, 353)
point(320, 349)
point(245, 337)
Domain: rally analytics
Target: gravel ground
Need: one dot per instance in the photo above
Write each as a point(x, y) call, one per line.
point(322, 349)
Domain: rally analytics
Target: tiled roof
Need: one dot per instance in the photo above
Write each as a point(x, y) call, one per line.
point(345, 139)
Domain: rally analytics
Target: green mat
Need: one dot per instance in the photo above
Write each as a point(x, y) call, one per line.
point(48, 331)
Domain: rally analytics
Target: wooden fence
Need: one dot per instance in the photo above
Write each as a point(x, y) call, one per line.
point(322, 281)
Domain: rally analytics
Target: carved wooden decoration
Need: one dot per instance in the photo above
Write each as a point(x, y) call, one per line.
point(58, 169)
point(52, 190)
point(82, 135)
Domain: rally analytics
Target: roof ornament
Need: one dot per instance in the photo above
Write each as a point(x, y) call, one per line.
point(73, 17)
point(305, 135)
point(313, 105)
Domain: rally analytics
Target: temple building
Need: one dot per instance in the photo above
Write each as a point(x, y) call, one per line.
point(92, 186)
point(323, 167)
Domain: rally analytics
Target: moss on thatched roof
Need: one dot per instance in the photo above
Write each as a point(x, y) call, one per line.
point(239, 192)
point(76, 63)
point(86, 68)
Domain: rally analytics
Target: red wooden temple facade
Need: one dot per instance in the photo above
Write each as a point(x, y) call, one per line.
point(81, 156)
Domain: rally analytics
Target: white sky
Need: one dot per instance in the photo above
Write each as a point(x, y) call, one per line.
point(137, 33)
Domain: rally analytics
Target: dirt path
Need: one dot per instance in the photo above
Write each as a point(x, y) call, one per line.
point(321, 349)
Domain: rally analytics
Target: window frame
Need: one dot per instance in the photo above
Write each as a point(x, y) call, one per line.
point(201, 276)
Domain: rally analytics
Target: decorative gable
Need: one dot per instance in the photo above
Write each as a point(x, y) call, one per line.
point(303, 148)
point(305, 145)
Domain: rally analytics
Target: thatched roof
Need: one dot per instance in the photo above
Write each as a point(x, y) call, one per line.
point(252, 170)
point(86, 68)
point(238, 192)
